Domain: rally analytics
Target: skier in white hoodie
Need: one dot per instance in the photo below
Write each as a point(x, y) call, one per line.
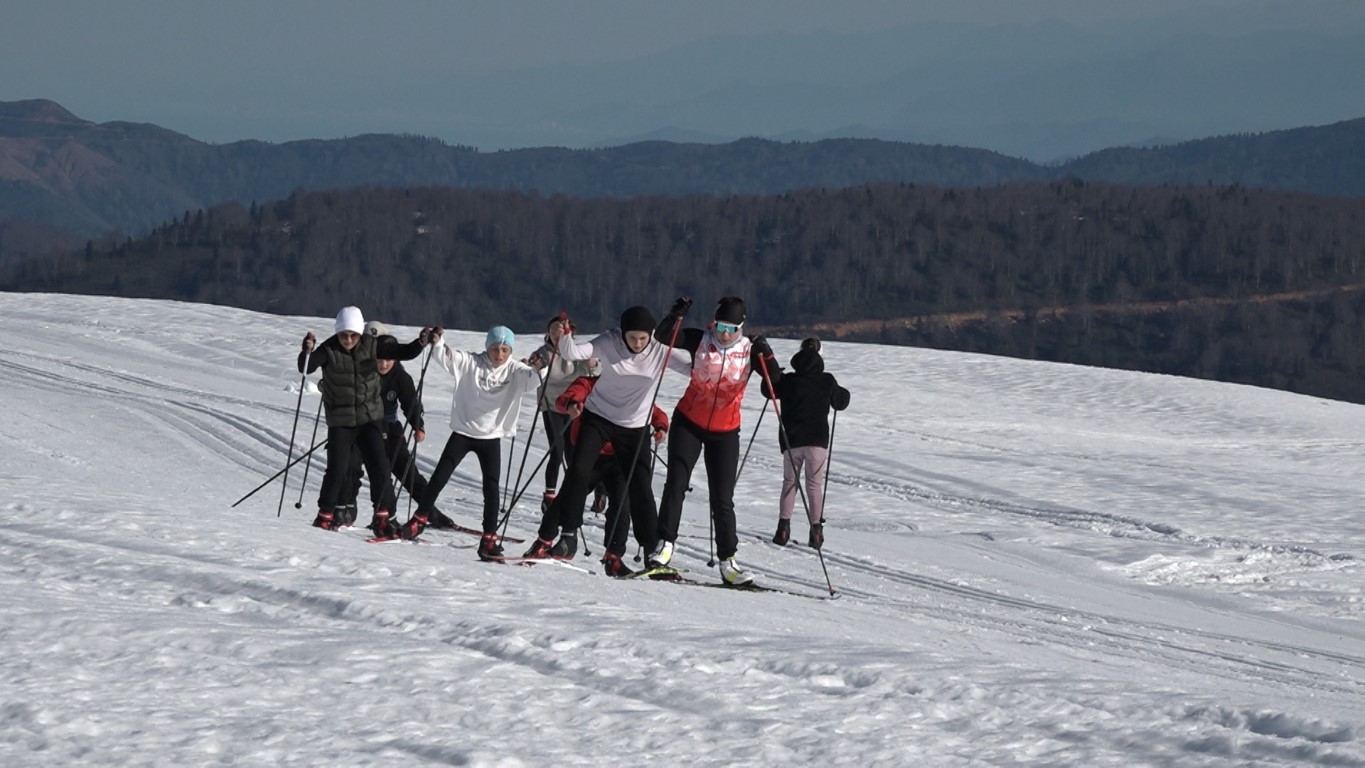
point(489, 386)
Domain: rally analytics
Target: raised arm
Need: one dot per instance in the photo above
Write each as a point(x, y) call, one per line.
point(392, 350)
point(572, 349)
point(686, 338)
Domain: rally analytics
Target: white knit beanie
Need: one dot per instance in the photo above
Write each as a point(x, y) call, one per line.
point(350, 319)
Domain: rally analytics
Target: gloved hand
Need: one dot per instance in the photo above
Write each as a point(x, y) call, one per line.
point(761, 346)
point(659, 435)
point(309, 342)
point(680, 307)
point(430, 335)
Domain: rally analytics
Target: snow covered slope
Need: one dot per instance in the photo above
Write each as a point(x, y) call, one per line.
point(1038, 565)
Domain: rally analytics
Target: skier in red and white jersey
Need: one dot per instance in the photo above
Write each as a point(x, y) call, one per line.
point(706, 424)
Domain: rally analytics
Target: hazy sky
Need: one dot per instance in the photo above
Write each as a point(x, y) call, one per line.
point(282, 69)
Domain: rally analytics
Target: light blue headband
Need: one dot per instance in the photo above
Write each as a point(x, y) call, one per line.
point(500, 334)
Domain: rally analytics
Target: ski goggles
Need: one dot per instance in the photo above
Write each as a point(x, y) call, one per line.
point(728, 327)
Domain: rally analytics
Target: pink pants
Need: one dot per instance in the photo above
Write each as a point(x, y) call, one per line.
point(812, 459)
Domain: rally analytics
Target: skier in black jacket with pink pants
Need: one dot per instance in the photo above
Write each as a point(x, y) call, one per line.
point(806, 395)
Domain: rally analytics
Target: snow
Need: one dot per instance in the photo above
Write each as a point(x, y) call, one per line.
point(1037, 564)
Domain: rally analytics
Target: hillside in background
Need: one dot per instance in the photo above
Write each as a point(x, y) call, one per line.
point(128, 177)
point(93, 179)
point(1218, 282)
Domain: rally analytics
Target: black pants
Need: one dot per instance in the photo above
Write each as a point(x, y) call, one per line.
point(400, 460)
point(368, 441)
point(631, 449)
point(617, 530)
point(556, 431)
point(687, 441)
point(489, 453)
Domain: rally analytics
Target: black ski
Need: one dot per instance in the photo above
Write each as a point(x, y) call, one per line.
point(457, 528)
point(755, 587)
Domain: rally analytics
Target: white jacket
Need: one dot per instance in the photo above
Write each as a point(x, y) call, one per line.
point(625, 389)
point(487, 401)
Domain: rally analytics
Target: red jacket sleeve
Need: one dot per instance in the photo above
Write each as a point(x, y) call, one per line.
point(660, 420)
point(577, 392)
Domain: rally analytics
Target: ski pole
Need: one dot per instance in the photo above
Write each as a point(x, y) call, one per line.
point(645, 431)
point(289, 458)
point(316, 418)
point(305, 455)
point(411, 468)
point(829, 455)
point(540, 403)
point(777, 411)
point(742, 461)
point(521, 490)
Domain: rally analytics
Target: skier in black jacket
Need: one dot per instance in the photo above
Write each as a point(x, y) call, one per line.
point(806, 394)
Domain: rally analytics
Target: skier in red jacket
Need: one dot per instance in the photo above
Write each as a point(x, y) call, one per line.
point(706, 423)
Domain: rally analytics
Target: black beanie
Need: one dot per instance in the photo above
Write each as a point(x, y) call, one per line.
point(731, 310)
point(637, 319)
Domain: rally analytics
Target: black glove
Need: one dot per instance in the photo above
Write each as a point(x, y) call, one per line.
point(430, 335)
point(681, 306)
point(760, 345)
point(308, 342)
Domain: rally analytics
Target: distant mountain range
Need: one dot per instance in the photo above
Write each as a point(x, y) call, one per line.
point(1047, 80)
point(1043, 91)
point(58, 170)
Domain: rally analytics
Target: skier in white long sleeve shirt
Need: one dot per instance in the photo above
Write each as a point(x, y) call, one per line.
point(617, 411)
point(489, 387)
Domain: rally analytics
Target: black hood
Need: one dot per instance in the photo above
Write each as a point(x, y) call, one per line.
point(637, 319)
point(808, 362)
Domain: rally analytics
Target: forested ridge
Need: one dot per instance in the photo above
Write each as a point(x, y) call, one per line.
point(1212, 281)
point(96, 178)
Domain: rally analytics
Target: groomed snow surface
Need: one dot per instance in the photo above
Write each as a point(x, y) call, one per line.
point(1037, 564)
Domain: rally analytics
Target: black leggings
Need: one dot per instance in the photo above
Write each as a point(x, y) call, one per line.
point(556, 432)
point(399, 459)
point(686, 442)
point(489, 452)
point(616, 529)
point(368, 440)
point(626, 443)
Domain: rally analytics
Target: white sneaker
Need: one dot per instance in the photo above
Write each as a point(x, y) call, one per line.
point(732, 573)
point(662, 554)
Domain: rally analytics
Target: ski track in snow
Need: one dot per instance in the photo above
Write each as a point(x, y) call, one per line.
point(979, 622)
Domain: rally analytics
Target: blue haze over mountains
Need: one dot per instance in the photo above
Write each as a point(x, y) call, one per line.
point(1044, 91)
point(1043, 80)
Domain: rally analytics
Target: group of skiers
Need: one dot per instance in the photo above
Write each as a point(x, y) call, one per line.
point(597, 398)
